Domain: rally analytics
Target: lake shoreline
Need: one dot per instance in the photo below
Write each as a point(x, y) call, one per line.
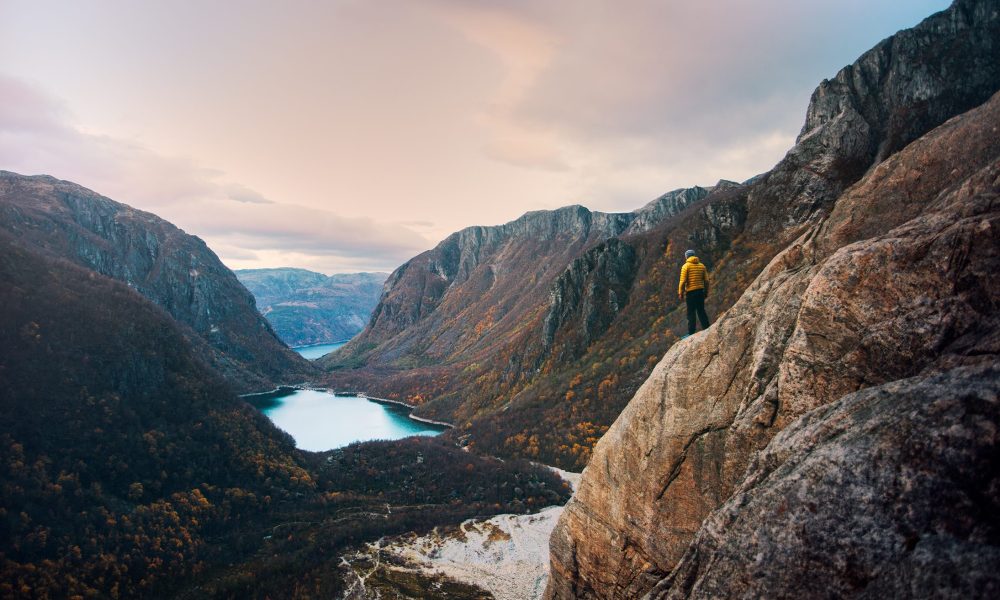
point(313, 352)
point(319, 420)
point(407, 405)
point(283, 390)
point(320, 344)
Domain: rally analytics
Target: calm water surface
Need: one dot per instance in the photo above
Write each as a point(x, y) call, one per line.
point(322, 421)
point(317, 351)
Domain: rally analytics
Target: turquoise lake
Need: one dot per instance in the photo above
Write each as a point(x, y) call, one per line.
point(322, 421)
point(317, 351)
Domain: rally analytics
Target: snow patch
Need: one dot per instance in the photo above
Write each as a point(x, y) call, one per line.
point(507, 555)
point(573, 479)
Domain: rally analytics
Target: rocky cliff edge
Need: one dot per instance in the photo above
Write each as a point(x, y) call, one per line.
point(895, 282)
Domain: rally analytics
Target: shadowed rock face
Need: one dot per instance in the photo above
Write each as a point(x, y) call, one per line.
point(178, 272)
point(890, 492)
point(894, 282)
point(589, 294)
point(474, 258)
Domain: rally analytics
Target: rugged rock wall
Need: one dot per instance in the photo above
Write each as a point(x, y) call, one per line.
point(416, 289)
point(894, 93)
point(889, 492)
point(178, 272)
point(588, 295)
point(895, 282)
point(528, 253)
point(669, 204)
point(494, 328)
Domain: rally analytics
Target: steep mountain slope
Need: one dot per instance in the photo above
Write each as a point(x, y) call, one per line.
point(176, 271)
point(129, 468)
point(461, 277)
point(306, 308)
point(896, 281)
point(122, 451)
point(484, 315)
point(531, 337)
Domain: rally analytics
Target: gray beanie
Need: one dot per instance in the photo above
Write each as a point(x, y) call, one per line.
point(689, 254)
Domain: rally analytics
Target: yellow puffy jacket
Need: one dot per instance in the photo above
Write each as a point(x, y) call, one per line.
point(693, 276)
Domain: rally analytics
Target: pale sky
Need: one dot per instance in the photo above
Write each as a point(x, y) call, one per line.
point(350, 135)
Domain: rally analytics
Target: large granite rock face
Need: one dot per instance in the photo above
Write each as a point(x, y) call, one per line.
point(306, 308)
point(905, 86)
point(177, 271)
point(890, 492)
point(895, 282)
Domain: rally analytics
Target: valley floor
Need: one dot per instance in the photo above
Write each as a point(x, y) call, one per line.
point(506, 556)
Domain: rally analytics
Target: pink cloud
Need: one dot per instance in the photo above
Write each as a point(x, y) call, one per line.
point(36, 135)
point(315, 115)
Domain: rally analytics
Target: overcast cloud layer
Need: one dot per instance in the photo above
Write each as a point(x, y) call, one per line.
point(351, 135)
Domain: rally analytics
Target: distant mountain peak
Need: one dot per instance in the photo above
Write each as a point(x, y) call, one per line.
point(307, 308)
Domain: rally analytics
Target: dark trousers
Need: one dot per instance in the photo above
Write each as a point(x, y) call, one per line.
point(696, 304)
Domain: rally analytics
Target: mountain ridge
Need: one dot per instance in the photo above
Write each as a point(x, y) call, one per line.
point(175, 270)
point(429, 333)
point(118, 437)
point(130, 468)
point(456, 257)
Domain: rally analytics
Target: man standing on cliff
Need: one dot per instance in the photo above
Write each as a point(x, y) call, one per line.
point(694, 284)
